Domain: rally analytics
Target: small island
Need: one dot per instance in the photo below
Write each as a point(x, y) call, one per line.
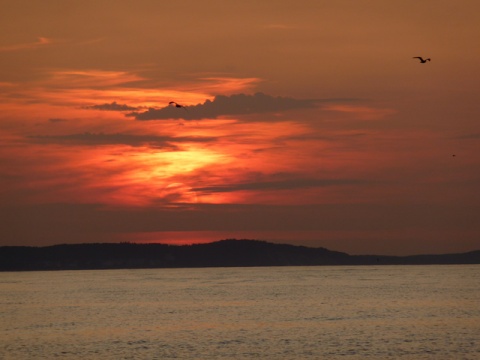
point(224, 253)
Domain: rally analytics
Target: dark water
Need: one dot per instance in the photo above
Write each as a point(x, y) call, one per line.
point(364, 312)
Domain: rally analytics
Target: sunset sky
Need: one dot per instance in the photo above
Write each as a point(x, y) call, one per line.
point(305, 122)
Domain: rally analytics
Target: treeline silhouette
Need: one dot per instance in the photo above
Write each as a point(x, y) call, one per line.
point(224, 253)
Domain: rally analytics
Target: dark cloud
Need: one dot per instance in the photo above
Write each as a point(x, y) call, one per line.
point(117, 139)
point(278, 185)
point(319, 137)
point(469, 136)
point(57, 120)
point(239, 104)
point(114, 106)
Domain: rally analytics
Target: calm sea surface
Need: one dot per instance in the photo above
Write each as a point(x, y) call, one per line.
point(363, 312)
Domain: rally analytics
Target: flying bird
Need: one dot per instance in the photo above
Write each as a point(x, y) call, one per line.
point(422, 60)
point(177, 105)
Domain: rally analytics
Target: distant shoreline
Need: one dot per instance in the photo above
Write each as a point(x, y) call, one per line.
point(224, 253)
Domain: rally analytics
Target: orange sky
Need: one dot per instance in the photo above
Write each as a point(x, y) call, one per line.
point(305, 122)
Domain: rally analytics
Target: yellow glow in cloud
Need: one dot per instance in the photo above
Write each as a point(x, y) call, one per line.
point(165, 164)
point(140, 177)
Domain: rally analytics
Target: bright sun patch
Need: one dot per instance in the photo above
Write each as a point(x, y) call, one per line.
point(165, 176)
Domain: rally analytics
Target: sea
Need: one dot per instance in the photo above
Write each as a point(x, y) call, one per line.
point(317, 312)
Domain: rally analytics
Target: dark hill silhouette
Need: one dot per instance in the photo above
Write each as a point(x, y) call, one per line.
point(224, 253)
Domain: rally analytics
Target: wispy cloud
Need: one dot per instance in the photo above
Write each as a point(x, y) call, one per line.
point(114, 106)
point(91, 78)
point(238, 104)
point(361, 112)
point(301, 183)
point(220, 84)
point(93, 139)
point(41, 41)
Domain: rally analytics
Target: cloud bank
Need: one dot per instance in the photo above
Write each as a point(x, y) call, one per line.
point(238, 104)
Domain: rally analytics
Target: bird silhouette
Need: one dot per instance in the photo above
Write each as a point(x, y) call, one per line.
point(177, 105)
point(422, 60)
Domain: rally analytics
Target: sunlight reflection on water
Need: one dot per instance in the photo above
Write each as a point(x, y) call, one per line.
point(382, 312)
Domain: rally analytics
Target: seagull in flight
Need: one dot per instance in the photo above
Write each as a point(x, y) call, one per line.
point(422, 60)
point(177, 105)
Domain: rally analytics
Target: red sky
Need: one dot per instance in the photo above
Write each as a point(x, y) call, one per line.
point(305, 122)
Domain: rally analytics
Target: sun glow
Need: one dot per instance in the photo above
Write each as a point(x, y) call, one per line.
point(164, 177)
point(168, 164)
